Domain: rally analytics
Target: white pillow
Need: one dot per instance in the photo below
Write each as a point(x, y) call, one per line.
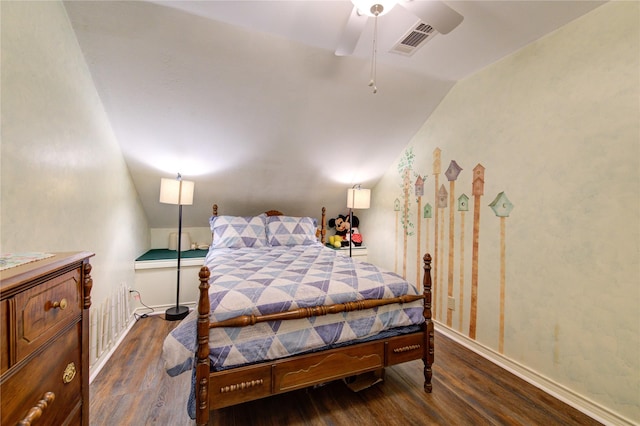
point(291, 231)
point(238, 231)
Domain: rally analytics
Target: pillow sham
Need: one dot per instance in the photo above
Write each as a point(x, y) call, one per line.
point(291, 231)
point(238, 231)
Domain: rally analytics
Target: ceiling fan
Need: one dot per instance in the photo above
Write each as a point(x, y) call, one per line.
point(432, 12)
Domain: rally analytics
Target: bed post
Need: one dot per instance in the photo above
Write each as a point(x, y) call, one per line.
point(427, 356)
point(202, 361)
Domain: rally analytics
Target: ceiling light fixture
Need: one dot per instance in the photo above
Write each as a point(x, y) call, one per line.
point(374, 8)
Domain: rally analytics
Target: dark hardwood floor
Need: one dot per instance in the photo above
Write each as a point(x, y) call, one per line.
point(133, 389)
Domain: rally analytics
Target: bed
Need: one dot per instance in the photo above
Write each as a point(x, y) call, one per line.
point(279, 311)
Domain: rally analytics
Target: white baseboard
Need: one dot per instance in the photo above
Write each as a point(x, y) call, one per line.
point(579, 402)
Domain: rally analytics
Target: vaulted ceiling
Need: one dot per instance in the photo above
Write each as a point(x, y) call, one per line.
point(249, 100)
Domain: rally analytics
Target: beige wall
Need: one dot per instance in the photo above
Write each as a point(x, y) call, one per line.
point(65, 185)
point(557, 127)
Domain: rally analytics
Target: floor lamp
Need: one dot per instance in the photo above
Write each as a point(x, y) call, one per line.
point(357, 198)
point(180, 192)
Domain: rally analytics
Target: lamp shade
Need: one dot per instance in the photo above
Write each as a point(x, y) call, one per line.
point(174, 191)
point(358, 198)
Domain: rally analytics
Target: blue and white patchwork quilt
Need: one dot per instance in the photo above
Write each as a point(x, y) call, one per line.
point(274, 279)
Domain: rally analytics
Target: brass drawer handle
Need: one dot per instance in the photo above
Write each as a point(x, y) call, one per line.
point(69, 373)
point(35, 412)
point(61, 304)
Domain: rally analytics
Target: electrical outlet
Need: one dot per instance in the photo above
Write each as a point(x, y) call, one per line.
point(451, 303)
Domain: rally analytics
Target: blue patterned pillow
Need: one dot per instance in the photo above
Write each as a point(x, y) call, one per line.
point(238, 231)
point(291, 231)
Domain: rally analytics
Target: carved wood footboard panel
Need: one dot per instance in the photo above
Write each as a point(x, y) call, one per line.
point(270, 378)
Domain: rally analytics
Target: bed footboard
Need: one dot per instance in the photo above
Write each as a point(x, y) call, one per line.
point(252, 382)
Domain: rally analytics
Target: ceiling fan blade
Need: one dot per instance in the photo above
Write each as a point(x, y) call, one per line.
point(351, 33)
point(435, 13)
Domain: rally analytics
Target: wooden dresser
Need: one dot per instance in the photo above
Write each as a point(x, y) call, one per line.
point(44, 341)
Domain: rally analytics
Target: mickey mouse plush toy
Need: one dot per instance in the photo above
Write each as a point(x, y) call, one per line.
point(344, 230)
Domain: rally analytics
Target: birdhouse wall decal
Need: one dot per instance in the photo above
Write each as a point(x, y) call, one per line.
point(396, 205)
point(419, 186)
point(453, 171)
point(442, 197)
point(478, 180)
point(501, 206)
point(428, 211)
point(406, 182)
point(463, 203)
point(477, 192)
point(436, 161)
point(478, 172)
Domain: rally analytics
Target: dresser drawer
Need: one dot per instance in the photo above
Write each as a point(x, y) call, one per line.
point(44, 310)
point(56, 369)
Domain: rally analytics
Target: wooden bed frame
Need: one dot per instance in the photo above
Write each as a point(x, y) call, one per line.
point(218, 389)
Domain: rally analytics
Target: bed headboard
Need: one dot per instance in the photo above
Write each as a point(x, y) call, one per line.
point(320, 233)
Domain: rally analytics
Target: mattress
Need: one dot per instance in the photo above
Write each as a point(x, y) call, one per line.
point(269, 279)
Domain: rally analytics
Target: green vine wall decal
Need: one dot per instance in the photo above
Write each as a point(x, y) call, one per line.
point(405, 169)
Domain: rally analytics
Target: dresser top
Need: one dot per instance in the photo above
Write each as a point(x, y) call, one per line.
point(15, 276)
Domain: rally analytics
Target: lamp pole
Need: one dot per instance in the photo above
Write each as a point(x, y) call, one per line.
point(350, 229)
point(179, 256)
point(177, 195)
point(357, 198)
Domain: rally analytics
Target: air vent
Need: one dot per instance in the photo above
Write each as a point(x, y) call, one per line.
point(414, 39)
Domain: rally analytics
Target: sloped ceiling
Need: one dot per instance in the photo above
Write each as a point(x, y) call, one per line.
point(248, 99)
